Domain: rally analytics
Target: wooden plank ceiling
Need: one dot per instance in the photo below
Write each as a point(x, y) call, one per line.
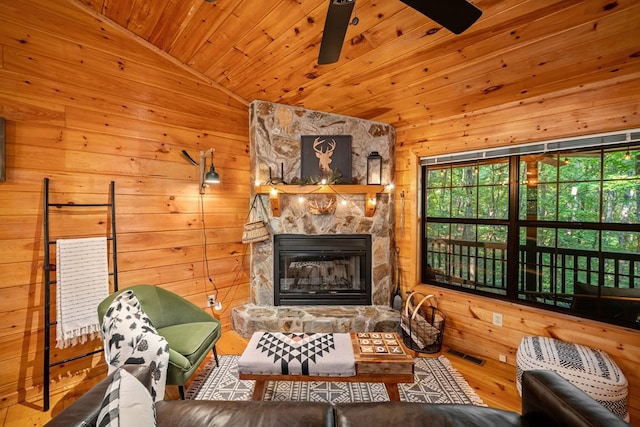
point(397, 66)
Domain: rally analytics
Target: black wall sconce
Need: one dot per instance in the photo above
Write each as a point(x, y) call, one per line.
point(374, 168)
point(206, 177)
point(210, 177)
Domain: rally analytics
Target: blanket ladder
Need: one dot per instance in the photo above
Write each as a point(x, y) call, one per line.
point(48, 268)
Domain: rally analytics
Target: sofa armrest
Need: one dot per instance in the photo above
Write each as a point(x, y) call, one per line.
point(550, 400)
point(85, 410)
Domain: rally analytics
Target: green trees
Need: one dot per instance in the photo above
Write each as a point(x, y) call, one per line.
point(577, 219)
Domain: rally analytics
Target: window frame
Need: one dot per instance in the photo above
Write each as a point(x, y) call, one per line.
point(515, 284)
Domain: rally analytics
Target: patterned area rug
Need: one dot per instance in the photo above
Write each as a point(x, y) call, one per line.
point(436, 381)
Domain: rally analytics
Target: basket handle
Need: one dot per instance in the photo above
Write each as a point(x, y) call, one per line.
point(408, 303)
point(422, 301)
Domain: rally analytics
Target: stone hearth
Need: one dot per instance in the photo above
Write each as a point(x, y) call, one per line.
point(251, 318)
point(275, 152)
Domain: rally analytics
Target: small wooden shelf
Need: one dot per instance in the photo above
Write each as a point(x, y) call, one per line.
point(275, 191)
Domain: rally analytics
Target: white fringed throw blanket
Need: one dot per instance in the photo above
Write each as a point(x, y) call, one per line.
point(82, 276)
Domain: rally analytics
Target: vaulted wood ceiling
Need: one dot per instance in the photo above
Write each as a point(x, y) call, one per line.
point(397, 66)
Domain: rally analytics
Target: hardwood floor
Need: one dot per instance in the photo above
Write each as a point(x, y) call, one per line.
point(493, 381)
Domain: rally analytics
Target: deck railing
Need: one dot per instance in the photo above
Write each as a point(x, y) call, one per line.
point(553, 279)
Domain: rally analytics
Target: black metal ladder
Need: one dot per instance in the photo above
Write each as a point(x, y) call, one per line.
point(48, 282)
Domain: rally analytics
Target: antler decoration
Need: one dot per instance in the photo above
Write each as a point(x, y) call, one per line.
point(325, 206)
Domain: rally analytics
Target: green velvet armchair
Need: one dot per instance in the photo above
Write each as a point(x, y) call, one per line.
point(190, 331)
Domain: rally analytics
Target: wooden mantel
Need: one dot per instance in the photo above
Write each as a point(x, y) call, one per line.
point(370, 192)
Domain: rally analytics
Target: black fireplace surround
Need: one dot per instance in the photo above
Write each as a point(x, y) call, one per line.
point(322, 269)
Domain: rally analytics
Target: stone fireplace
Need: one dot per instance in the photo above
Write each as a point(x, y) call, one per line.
point(275, 152)
point(322, 270)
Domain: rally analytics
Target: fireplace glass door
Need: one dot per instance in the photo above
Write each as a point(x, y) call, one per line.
point(322, 270)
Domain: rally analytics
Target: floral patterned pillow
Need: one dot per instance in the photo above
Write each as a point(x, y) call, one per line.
point(131, 339)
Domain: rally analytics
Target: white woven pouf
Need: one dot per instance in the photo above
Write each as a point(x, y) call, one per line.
point(591, 370)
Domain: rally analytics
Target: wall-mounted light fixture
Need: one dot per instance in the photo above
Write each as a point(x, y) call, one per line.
point(210, 176)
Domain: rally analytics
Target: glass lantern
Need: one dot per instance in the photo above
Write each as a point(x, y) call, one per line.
point(374, 168)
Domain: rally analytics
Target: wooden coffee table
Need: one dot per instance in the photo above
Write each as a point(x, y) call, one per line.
point(380, 357)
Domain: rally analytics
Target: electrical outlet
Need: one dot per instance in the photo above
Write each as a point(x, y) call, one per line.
point(211, 300)
point(497, 319)
point(502, 358)
point(217, 306)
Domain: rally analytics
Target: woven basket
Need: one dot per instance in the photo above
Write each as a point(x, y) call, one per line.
point(422, 324)
point(255, 231)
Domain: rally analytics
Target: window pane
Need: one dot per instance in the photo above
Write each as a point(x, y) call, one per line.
point(464, 202)
point(463, 176)
point(466, 232)
point(438, 231)
point(466, 261)
point(618, 296)
point(579, 202)
point(437, 178)
point(492, 234)
point(622, 241)
point(493, 173)
point(436, 249)
point(439, 202)
point(538, 202)
point(547, 202)
point(544, 236)
point(621, 201)
point(579, 239)
point(460, 191)
point(438, 197)
point(493, 202)
point(548, 168)
point(583, 166)
point(561, 257)
point(617, 164)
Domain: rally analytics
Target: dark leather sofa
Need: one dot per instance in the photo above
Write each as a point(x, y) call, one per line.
point(547, 400)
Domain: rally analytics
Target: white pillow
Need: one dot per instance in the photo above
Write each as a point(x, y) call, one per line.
point(126, 403)
point(131, 339)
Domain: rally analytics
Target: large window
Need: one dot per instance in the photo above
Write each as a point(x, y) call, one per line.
point(557, 229)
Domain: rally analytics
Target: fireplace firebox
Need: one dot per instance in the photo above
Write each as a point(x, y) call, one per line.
point(322, 269)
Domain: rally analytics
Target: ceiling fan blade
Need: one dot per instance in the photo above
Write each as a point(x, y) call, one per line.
point(335, 28)
point(455, 15)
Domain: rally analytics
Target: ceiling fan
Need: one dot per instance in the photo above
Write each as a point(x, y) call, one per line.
point(454, 15)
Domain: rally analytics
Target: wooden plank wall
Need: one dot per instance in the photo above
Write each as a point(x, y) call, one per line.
point(86, 103)
point(563, 112)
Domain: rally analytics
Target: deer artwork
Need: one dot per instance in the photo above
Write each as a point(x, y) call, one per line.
point(324, 156)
